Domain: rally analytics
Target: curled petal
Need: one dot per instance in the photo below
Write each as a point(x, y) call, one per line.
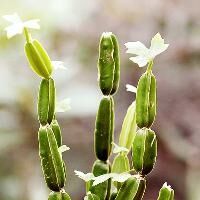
point(86, 177)
point(14, 30)
point(136, 48)
point(131, 88)
point(58, 65)
point(157, 45)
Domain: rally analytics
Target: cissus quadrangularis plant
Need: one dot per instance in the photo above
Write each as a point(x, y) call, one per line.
point(120, 179)
point(125, 180)
point(49, 134)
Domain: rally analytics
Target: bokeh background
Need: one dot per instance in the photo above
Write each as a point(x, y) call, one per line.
point(70, 31)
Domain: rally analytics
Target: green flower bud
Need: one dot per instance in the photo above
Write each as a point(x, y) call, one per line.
point(132, 189)
point(38, 59)
point(144, 151)
point(104, 129)
point(51, 160)
point(146, 100)
point(100, 168)
point(129, 127)
point(166, 193)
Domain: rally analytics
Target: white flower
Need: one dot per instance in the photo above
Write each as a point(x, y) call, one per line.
point(17, 25)
point(143, 54)
point(131, 88)
point(58, 65)
point(86, 177)
point(115, 177)
point(63, 105)
point(63, 148)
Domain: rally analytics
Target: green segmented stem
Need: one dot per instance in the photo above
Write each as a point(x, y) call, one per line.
point(52, 100)
point(141, 189)
point(44, 56)
point(106, 64)
point(116, 58)
point(138, 150)
point(57, 132)
point(43, 102)
point(38, 59)
point(100, 168)
point(150, 153)
point(128, 190)
point(144, 151)
point(51, 160)
point(46, 101)
point(152, 101)
point(112, 123)
point(166, 193)
point(146, 100)
point(104, 129)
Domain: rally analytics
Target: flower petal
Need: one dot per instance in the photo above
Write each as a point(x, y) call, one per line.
point(14, 18)
point(121, 177)
point(14, 30)
point(131, 88)
point(157, 45)
point(32, 24)
point(17, 25)
point(63, 105)
point(136, 48)
point(140, 60)
point(58, 65)
point(102, 178)
point(86, 177)
point(63, 148)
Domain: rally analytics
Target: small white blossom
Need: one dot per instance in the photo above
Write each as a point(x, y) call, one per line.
point(63, 148)
point(17, 25)
point(115, 177)
point(63, 105)
point(86, 177)
point(131, 88)
point(143, 54)
point(58, 65)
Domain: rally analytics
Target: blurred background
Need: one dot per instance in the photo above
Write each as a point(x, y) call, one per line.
point(70, 31)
